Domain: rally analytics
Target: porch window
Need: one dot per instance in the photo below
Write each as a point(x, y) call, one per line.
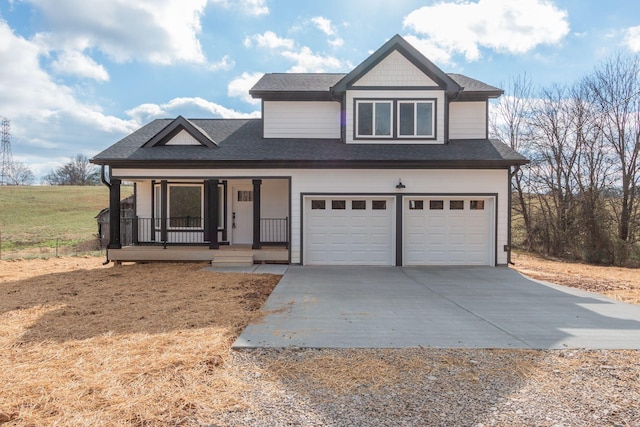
point(185, 206)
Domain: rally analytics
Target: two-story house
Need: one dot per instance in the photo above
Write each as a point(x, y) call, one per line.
point(390, 164)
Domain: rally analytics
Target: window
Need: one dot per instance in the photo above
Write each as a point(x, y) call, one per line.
point(318, 204)
point(338, 204)
point(379, 205)
point(416, 205)
point(415, 119)
point(358, 205)
point(456, 205)
point(476, 205)
point(436, 204)
point(185, 206)
point(373, 118)
point(245, 196)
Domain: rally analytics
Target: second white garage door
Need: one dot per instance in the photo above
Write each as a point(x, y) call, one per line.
point(341, 230)
point(448, 231)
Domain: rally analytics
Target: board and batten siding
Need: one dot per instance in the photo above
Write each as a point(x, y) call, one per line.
point(468, 120)
point(354, 182)
point(301, 119)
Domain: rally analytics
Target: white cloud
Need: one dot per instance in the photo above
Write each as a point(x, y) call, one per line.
point(308, 62)
point(254, 7)
point(75, 63)
point(158, 31)
point(188, 107)
point(268, 39)
point(239, 87)
point(226, 63)
point(502, 25)
point(323, 24)
point(304, 59)
point(47, 119)
point(632, 38)
point(430, 49)
point(338, 42)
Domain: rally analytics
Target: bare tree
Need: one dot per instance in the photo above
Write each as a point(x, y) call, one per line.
point(593, 176)
point(616, 94)
point(557, 154)
point(20, 174)
point(510, 123)
point(77, 172)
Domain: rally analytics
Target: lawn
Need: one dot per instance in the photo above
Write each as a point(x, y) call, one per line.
point(35, 216)
point(149, 345)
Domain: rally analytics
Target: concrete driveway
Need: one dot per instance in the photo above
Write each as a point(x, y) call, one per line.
point(468, 307)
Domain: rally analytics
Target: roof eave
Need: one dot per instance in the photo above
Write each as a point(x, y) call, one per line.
point(292, 95)
point(312, 164)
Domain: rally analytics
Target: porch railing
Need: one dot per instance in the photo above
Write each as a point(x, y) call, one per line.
point(274, 231)
point(190, 231)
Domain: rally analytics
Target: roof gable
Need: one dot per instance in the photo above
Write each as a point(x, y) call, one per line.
point(181, 132)
point(395, 70)
point(411, 54)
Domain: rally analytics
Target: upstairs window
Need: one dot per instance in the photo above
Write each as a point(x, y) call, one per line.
point(395, 118)
point(373, 118)
point(415, 119)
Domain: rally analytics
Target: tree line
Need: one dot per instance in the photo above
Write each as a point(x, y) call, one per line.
point(578, 198)
point(79, 171)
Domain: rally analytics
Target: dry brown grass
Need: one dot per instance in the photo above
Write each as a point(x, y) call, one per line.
point(84, 344)
point(622, 284)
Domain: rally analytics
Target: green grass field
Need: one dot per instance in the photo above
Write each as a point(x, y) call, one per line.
point(34, 216)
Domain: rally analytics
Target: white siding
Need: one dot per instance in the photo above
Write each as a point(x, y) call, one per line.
point(143, 203)
point(183, 138)
point(301, 119)
point(395, 70)
point(447, 182)
point(438, 95)
point(274, 195)
point(468, 120)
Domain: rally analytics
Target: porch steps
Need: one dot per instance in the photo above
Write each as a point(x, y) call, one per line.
point(232, 259)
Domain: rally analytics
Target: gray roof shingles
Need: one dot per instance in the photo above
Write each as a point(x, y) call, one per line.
point(240, 140)
point(322, 82)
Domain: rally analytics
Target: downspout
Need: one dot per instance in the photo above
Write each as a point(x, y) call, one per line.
point(511, 175)
point(108, 184)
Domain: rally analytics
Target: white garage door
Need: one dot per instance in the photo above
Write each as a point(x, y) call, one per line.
point(350, 230)
point(448, 231)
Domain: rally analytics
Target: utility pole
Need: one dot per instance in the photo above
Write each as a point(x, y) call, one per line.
point(6, 158)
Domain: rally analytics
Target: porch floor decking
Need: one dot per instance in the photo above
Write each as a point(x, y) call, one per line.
point(195, 253)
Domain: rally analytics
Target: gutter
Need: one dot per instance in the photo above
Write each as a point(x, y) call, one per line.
point(108, 184)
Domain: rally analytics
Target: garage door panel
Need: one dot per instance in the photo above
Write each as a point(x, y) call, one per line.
point(448, 236)
point(349, 236)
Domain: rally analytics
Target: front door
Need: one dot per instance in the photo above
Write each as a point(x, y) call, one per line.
point(242, 215)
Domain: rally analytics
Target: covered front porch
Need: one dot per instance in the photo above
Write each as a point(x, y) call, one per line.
point(224, 220)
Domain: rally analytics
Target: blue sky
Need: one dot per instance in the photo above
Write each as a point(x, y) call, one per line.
point(78, 75)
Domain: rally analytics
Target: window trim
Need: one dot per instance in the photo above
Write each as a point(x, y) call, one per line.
point(395, 119)
point(356, 113)
point(415, 103)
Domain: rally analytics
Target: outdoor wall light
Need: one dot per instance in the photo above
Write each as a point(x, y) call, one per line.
point(400, 185)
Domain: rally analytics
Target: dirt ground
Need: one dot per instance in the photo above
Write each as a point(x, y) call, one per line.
point(621, 284)
point(84, 344)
